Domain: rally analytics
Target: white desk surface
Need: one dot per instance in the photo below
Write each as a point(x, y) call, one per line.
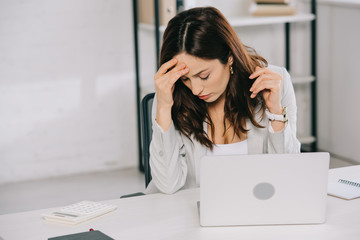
point(160, 216)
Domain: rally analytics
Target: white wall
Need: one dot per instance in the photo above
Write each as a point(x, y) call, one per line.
point(67, 88)
point(67, 102)
point(339, 78)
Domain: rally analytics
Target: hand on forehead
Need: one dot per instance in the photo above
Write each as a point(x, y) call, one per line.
point(195, 64)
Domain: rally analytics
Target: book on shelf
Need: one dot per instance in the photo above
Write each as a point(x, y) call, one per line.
point(167, 10)
point(272, 9)
point(272, 1)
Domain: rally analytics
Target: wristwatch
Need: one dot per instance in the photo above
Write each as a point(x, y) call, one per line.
point(277, 117)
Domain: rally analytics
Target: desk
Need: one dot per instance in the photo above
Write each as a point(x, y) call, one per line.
point(160, 216)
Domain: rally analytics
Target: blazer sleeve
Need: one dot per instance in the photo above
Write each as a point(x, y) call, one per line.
point(285, 141)
point(167, 157)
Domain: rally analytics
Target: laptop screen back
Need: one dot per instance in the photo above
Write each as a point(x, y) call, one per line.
point(263, 189)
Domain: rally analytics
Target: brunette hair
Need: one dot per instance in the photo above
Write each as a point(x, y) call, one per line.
point(205, 33)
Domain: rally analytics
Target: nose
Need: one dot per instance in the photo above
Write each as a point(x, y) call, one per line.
point(196, 87)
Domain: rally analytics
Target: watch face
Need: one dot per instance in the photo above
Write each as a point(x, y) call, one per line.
point(285, 114)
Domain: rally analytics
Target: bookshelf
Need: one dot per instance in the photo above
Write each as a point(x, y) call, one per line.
point(248, 21)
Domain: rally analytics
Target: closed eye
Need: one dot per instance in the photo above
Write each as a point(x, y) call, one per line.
point(184, 79)
point(204, 78)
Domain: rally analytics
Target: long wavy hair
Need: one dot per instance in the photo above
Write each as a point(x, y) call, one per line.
point(205, 33)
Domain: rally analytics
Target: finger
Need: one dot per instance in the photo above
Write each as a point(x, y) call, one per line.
point(258, 72)
point(269, 75)
point(270, 85)
point(166, 66)
point(262, 89)
point(170, 74)
point(167, 81)
point(176, 76)
point(253, 95)
point(266, 85)
point(177, 68)
point(259, 80)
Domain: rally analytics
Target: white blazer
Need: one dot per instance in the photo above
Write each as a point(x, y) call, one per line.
point(174, 159)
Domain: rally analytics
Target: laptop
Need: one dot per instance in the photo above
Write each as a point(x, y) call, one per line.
point(263, 189)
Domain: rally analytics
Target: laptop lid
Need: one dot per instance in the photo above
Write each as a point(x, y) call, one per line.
point(263, 189)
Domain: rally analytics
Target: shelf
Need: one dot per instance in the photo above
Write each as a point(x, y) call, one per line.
point(150, 27)
point(343, 3)
point(302, 79)
point(249, 21)
point(307, 139)
point(252, 21)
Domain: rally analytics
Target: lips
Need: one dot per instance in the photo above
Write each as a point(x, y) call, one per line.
point(203, 97)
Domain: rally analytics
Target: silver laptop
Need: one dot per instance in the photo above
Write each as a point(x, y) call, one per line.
point(263, 189)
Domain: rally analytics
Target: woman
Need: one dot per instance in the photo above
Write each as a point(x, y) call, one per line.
point(214, 96)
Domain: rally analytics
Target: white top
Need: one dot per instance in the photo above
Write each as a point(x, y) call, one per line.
point(175, 159)
point(229, 149)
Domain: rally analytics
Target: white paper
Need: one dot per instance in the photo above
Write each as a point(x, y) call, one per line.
point(343, 190)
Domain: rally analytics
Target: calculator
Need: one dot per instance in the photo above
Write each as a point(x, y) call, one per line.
point(79, 212)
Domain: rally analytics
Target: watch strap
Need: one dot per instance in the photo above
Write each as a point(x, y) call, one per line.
point(277, 117)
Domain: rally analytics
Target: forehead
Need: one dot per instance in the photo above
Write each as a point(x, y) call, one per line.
point(196, 64)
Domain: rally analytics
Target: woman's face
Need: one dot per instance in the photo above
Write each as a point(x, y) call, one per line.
point(207, 79)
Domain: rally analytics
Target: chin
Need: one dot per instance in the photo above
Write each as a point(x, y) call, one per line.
point(212, 99)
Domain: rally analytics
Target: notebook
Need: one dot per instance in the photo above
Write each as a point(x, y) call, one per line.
point(344, 189)
point(263, 189)
point(344, 182)
point(90, 235)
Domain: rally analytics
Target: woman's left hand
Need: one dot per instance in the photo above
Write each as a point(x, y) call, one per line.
point(269, 83)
